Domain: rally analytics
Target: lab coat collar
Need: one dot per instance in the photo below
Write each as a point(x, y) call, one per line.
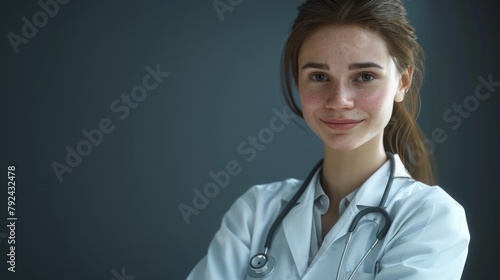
point(381, 174)
point(372, 190)
point(297, 224)
point(310, 188)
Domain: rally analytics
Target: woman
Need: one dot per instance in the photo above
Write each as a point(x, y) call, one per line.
point(358, 69)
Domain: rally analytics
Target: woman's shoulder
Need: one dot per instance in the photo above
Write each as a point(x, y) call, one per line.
point(421, 195)
point(261, 201)
point(273, 191)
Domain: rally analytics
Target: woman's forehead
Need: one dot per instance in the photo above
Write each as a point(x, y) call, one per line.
point(344, 43)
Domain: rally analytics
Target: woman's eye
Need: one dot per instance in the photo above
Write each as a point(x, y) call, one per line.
point(365, 77)
point(319, 77)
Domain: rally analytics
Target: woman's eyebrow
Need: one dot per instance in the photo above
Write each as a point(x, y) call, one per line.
point(352, 66)
point(364, 65)
point(322, 66)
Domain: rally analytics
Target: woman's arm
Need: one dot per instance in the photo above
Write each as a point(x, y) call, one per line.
point(229, 250)
point(431, 242)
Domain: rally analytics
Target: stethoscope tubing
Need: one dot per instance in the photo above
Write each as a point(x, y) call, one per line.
point(289, 206)
point(265, 264)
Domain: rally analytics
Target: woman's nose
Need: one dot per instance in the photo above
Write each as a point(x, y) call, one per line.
point(339, 98)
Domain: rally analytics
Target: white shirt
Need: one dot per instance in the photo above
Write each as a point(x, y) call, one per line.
point(428, 238)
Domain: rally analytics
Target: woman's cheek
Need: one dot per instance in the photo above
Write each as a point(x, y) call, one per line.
point(312, 98)
point(310, 102)
point(372, 100)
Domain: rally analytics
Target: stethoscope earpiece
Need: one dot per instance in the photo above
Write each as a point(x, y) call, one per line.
point(261, 265)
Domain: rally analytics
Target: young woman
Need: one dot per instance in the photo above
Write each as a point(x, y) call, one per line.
point(368, 210)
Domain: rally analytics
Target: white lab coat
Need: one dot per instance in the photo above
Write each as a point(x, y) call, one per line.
point(428, 238)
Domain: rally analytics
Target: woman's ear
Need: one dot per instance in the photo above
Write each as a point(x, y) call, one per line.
point(404, 84)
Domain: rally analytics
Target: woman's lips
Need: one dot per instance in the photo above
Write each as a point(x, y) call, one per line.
point(341, 124)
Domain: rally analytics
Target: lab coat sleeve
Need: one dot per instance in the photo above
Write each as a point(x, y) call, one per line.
point(431, 241)
point(228, 252)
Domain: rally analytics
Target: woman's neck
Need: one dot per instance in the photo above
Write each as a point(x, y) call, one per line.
point(343, 172)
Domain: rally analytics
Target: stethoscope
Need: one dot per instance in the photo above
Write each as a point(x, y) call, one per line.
point(261, 264)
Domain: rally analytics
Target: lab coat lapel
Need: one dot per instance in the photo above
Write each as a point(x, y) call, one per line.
point(371, 192)
point(297, 227)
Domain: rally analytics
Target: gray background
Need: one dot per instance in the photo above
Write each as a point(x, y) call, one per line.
point(119, 207)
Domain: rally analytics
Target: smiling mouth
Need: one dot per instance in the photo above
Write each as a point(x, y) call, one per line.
point(341, 124)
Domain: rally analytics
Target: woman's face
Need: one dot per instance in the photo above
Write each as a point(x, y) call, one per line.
point(348, 83)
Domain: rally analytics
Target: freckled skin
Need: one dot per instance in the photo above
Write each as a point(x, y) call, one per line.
point(366, 94)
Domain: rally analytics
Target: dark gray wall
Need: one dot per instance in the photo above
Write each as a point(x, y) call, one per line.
point(119, 206)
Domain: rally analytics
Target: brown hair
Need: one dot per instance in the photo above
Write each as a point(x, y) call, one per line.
point(387, 18)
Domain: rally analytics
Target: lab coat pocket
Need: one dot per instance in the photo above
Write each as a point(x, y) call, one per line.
point(362, 240)
point(363, 276)
point(366, 271)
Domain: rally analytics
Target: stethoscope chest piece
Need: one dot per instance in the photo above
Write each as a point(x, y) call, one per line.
point(261, 265)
